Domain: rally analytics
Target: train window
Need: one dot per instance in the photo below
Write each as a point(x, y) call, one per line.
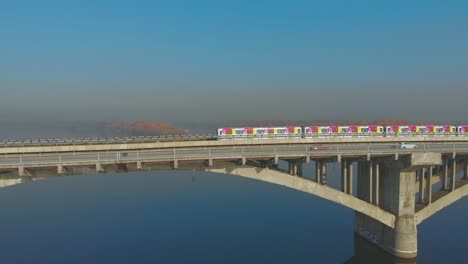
point(261, 131)
point(404, 130)
point(281, 131)
point(365, 130)
point(239, 131)
point(324, 130)
point(299, 130)
point(345, 130)
point(220, 132)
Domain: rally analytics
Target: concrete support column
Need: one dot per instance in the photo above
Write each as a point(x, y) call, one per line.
point(377, 183)
point(364, 181)
point(371, 185)
point(398, 198)
point(139, 166)
point(466, 169)
point(350, 177)
point(60, 169)
point(21, 171)
point(454, 174)
point(290, 168)
point(299, 168)
point(422, 185)
point(99, 167)
point(244, 161)
point(175, 164)
point(344, 176)
point(429, 185)
point(323, 176)
point(318, 171)
point(445, 175)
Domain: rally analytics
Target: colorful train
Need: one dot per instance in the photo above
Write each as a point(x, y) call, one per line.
point(340, 131)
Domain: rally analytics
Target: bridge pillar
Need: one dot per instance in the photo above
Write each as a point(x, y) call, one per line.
point(318, 167)
point(466, 169)
point(365, 185)
point(23, 172)
point(323, 173)
point(396, 195)
point(299, 168)
point(60, 169)
point(377, 183)
point(290, 168)
point(139, 165)
point(454, 174)
point(445, 175)
point(429, 185)
point(295, 167)
point(350, 177)
point(422, 185)
point(99, 167)
point(344, 176)
point(175, 164)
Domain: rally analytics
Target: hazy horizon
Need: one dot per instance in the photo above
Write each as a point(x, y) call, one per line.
point(210, 60)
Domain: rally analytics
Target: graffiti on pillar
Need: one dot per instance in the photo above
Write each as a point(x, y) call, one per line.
point(368, 235)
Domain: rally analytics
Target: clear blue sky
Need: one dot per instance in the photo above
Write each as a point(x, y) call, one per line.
point(217, 60)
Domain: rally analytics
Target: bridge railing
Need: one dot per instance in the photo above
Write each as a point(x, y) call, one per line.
point(105, 140)
point(236, 152)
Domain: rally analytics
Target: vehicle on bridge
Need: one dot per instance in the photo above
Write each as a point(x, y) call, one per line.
point(320, 148)
point(405, 145)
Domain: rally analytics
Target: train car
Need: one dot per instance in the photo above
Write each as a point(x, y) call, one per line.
point(311, 131)
point(400, 131)
point(259, 132)
point(391, 131)
point(424, 130)
point(321, 131)
point(284, 132)
point(347, 131)
point(370, 131)
point(462, 131)
point(445, 130)
point(229, 133)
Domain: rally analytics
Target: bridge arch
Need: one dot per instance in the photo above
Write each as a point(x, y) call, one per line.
point(304, 185)
point(252, 172)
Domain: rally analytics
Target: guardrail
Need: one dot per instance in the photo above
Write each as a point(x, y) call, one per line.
point(106, 140)
point(176, 138)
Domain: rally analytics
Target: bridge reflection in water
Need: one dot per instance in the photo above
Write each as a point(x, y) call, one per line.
point(364, 252)
point(367, 253)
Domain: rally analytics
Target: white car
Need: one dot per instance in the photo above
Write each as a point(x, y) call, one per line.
point(407, 146)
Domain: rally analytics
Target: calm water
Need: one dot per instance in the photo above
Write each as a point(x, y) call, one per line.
point(192, 217)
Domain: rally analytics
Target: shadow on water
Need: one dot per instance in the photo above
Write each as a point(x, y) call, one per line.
point(366, 253)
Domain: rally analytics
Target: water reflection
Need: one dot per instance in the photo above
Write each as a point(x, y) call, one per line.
point(366, 253)
point(8, 178)
point(150, 214)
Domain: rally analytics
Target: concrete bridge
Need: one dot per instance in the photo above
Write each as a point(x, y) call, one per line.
point(393, 191)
